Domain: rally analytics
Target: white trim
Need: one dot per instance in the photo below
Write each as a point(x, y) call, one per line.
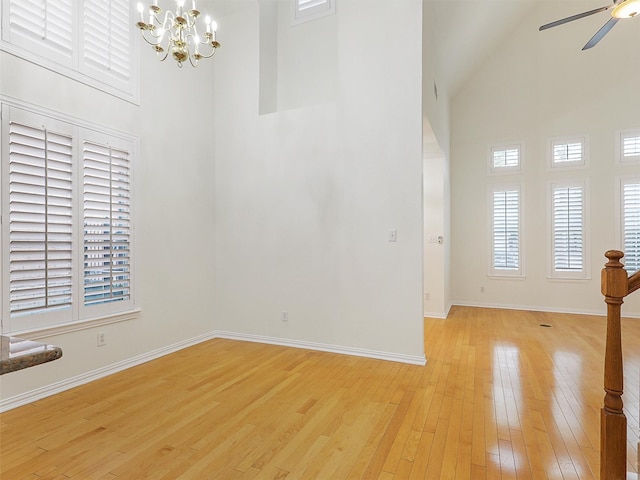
point(69, 383)
point(324, 347)
point(542, 308)
point(70, 327)
point(438, 315)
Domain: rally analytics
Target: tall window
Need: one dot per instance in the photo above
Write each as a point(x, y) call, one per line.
point(568, 230)
point(67, 244)
point(505, 231)
point(92, 41)
point(630, 203)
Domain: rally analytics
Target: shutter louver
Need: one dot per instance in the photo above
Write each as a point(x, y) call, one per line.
point(568, 228)
point(630, 147)
point(506, 158)
point(506, 230)
point(40, 215)
point(107, 227)
point(631, 225)
point(44, 21)
point(106, 36)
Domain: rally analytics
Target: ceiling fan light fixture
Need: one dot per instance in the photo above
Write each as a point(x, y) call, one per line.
point(626, 9)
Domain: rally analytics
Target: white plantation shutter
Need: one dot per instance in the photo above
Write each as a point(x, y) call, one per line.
point(506, 230)
point(43, 26)
point(91, 41)
point(107, 224)
point(631, 224)
point(568, 153)
point(631, 146)
point(106, 40)
point(568, 228)
point(506, 158)
point(40, 216)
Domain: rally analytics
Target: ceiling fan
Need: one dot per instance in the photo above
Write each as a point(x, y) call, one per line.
point(620, 9)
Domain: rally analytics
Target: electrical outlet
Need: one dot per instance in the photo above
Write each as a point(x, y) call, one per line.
point(102, 341)
point(285, 318)
point(427, 296)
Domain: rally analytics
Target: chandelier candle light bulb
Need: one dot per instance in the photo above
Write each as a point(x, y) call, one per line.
point(177, 33)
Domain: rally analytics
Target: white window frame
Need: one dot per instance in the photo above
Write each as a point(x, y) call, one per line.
point(507, 169)
point(500, 271)
point(73, 65)
point(621, 137)
point(77, 316)
point(621, 221)
point(554, 164)
point(307, 10)
point(568, 274)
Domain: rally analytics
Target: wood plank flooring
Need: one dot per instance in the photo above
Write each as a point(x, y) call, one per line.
point(501, 397)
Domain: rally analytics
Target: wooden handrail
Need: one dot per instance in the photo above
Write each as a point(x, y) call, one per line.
point(615, 285)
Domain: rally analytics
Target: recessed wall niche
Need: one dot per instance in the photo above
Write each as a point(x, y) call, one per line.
point(298, 62)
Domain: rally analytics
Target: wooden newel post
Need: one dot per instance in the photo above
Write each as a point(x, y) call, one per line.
point(613, 423)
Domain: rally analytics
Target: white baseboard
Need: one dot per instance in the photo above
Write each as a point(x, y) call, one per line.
point(536, 308)
point(323, 347)
point(69, 383)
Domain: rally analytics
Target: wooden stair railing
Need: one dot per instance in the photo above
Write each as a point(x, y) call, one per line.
point(615, 286)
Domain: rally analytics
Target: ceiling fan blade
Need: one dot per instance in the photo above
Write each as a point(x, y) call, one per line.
point(574, 17)
point(601, 33)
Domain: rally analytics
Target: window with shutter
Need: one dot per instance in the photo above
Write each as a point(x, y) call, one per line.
point(66, 193)
point(630, 199)
point(40, 219)
point(568, 230)
point(305, 10)
point(568, 152)
point(91, 41)
point(505, 158)
point(107, 224)
point(628, 147)
point(505, 231)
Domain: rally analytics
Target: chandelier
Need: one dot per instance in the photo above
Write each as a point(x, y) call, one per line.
point(177, 33)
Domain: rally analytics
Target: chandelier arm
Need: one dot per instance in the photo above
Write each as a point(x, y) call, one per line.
point(177, 34)
point(213, 51)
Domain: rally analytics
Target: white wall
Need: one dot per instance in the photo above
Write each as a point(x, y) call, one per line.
point(173, 209)
point(539, 85)
point(306, 196)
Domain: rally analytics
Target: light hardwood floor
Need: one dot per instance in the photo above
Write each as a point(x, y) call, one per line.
point(500, 397)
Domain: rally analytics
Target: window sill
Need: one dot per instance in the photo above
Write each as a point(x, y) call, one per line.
point(77, 325)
